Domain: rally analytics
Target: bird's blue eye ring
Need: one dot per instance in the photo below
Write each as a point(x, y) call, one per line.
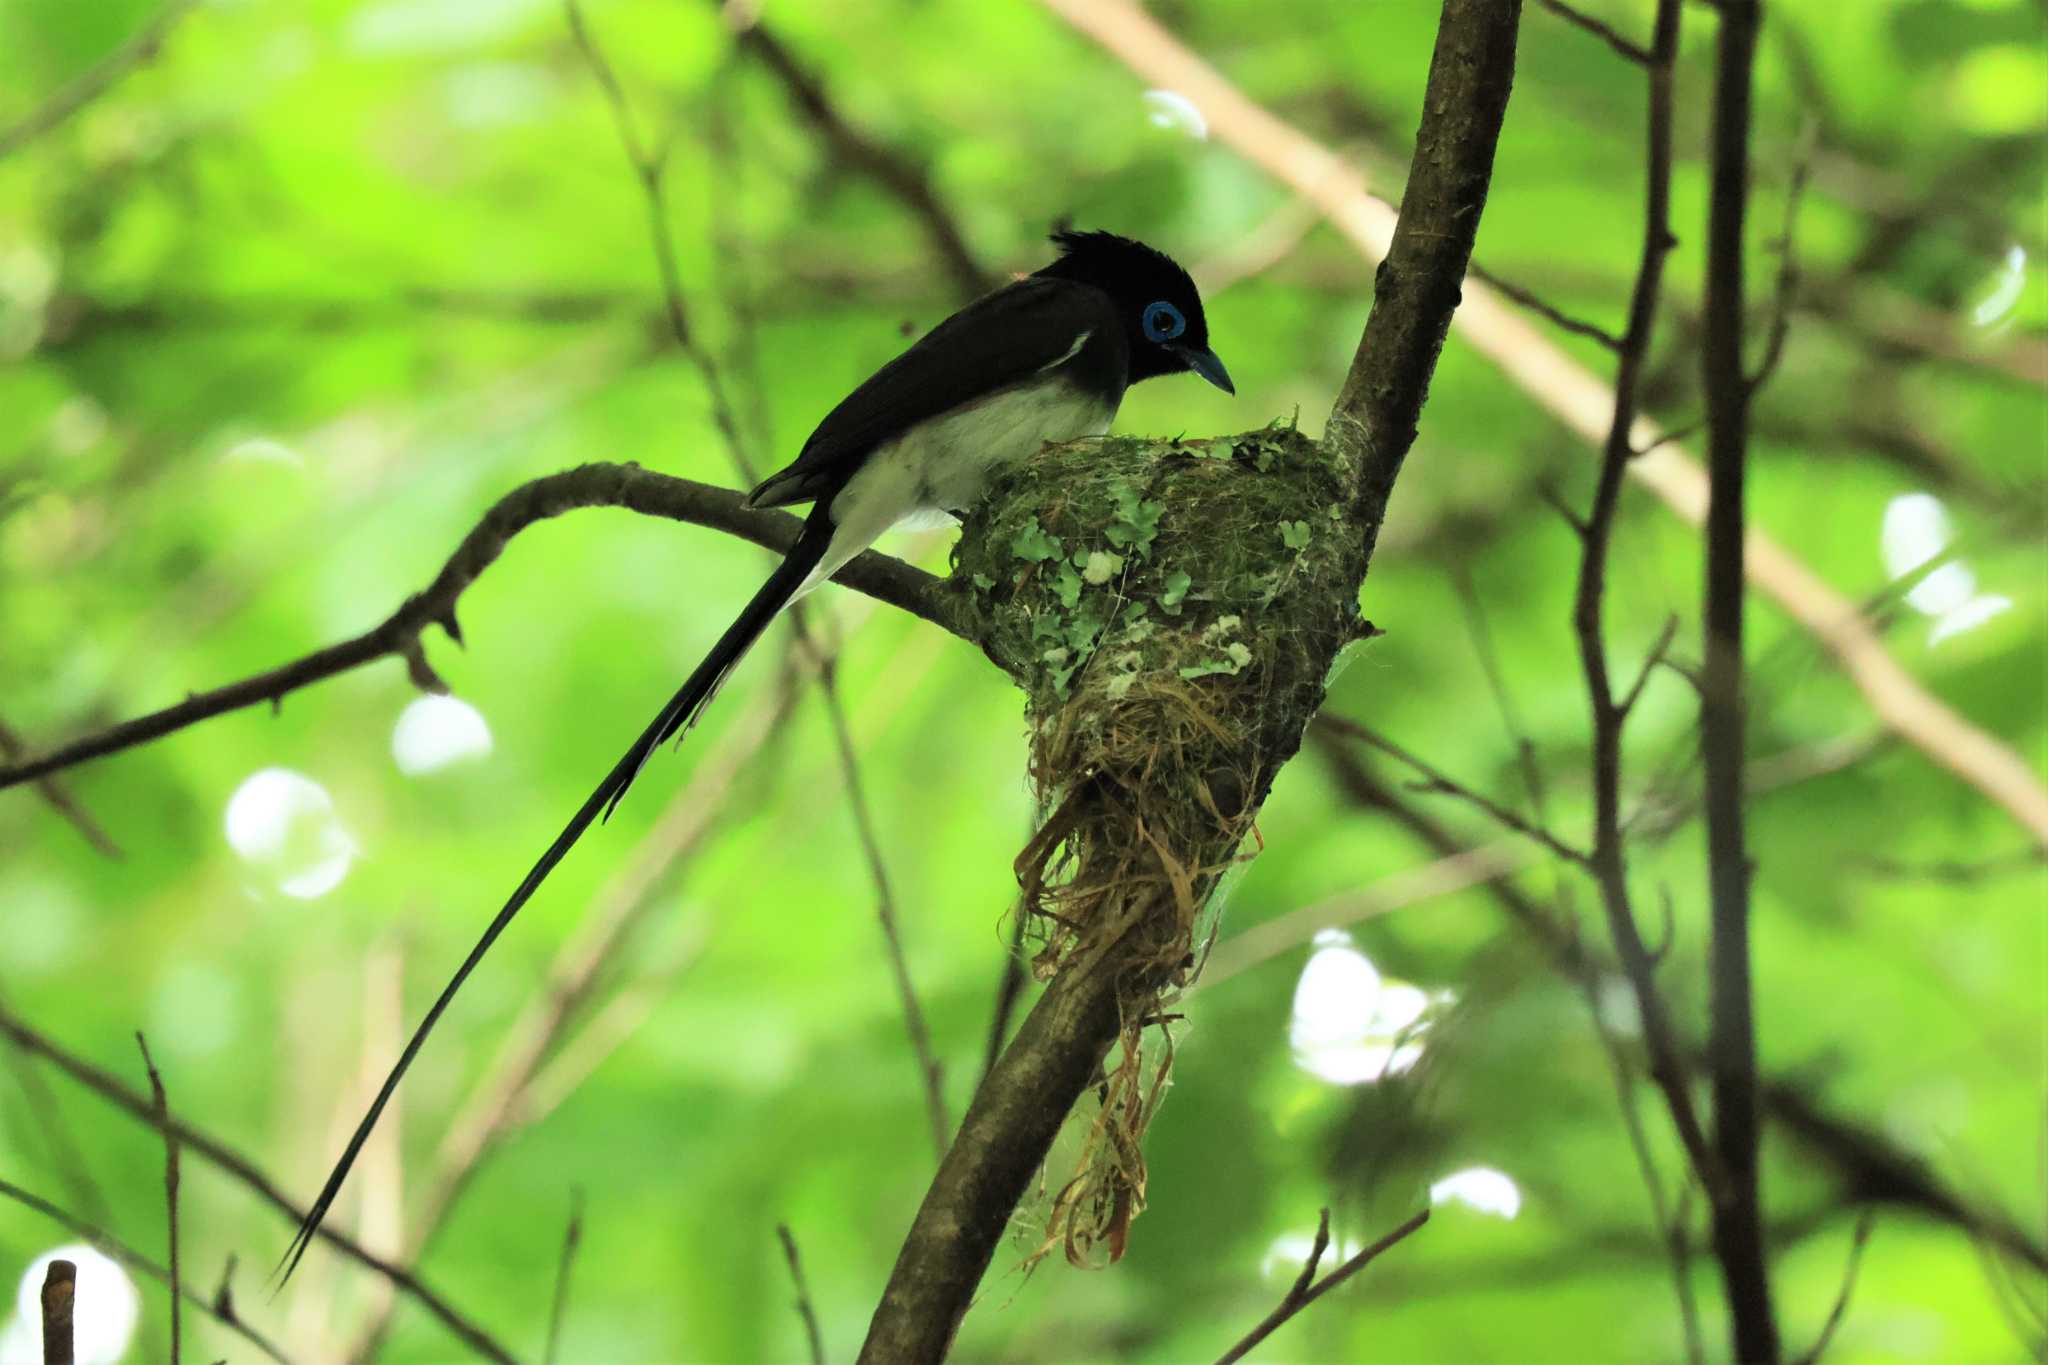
point(1163, 322)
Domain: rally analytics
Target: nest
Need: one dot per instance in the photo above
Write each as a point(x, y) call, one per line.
point(1172, 611)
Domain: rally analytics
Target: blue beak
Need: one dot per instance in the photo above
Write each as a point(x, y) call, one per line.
point(1205, 364)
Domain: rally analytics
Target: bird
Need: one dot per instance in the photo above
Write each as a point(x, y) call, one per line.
point(1044, 359)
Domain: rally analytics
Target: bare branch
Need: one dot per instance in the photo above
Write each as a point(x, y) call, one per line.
point(1549, 312)
point(245, 1172)
point(812, 1335)
point(1435, 780)
point(1731, 1032)
point(59, 108)
point(1599, 29)
point(590, 485)
point(118, 1250)
point(902, 178)
point(1301, 1294)
point(163, 1122)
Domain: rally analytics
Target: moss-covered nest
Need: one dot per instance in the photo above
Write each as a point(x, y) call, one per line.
point(1172, 610)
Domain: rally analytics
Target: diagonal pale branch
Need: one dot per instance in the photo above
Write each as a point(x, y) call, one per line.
point(399, 635)
point(1577, 397)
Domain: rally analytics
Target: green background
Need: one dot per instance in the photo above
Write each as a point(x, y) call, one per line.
point(283, 312)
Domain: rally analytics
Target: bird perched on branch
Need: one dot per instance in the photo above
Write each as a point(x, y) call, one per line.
point(1043, 360)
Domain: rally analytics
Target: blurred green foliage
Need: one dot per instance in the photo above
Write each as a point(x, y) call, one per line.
point(284, 310)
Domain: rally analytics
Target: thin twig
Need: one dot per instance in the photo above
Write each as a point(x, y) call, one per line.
point(1599, 29)
point(399, 635)
point(1301, 1294)
point(59, 108)
point(114, 1248)
point(571, 1239)
point(163, 1121)
point(1546, 310)
point(59, 1302)
point(809, 1314)
point(1435, 780)
point(244, 1171)
point(59, 796)
point(1841, 1309)
point(1731, 1031)
point(902, 178)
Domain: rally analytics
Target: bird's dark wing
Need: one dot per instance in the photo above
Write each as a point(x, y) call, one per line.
point(992, 343)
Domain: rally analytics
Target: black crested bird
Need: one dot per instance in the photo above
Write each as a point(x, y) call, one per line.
point(1042, 360)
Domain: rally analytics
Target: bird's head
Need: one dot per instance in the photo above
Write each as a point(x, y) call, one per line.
point(1161, 311)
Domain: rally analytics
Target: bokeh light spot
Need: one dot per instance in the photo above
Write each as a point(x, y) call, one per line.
point(434, 732)
point(1171, 109)
point(1481, 1188)
point(283, 824)
point(103, 1317)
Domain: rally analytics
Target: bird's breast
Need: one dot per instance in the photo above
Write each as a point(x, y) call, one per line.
point(945, 463)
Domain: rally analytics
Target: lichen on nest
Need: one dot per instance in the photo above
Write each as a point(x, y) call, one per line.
point(1172, 610)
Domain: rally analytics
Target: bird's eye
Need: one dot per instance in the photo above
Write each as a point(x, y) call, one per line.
point(1163, 322)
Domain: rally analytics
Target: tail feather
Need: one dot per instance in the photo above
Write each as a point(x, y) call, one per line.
point(681, 712)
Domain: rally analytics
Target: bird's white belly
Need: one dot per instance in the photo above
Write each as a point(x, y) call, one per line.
point(944, 464)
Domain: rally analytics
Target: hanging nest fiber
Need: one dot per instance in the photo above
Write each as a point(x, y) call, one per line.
point(1172, 611)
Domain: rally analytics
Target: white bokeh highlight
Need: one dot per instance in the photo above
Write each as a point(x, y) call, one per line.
point(1916, 530)
point(2002, 293)
point(283, 824)
point(437, 732)
point(1172, 110)
point(1350, 1025)
point(1480, 1188)
point(104, 1314)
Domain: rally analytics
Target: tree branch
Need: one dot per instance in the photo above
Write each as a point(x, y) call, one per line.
point(590, 485)
point(1731, 1036)
point(898, 175)
point(1301, 1294)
